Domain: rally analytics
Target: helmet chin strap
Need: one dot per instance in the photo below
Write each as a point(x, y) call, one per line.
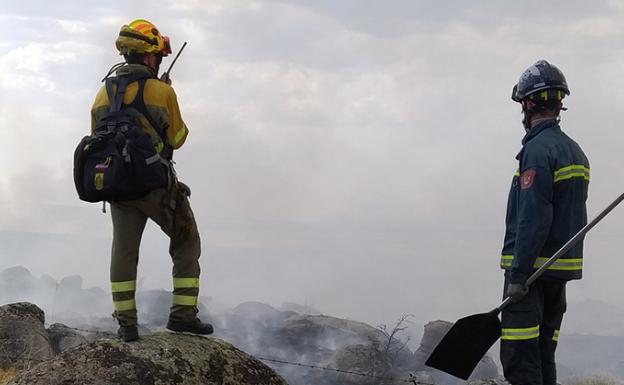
point(526, 121)
point(528, 114)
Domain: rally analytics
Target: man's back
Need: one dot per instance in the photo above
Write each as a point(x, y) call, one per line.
point(160, 101)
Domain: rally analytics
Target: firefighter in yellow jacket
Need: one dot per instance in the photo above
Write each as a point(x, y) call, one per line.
point(156, 107)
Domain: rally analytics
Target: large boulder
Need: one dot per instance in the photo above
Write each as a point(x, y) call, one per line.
point(16, 284)
point(324, 332)
point(24, 341)
point(63, 337)
point(365, 359)
point(434, 332)
point(158, 359)
point(369, 360)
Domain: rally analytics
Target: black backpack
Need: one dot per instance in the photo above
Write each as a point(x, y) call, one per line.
point(118, 161)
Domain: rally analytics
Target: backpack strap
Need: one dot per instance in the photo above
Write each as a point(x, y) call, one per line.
point(115, 97)
point(139, 104)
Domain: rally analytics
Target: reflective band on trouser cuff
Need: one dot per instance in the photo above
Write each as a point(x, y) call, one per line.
point(118, 287)
point(124, 305)
point(520, 334)
point(186, 300)
point(559, 264)
point(185, 283)
point(556, 336)
point(572, 171)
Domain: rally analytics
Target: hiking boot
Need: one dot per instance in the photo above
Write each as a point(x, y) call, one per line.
point(128, 333)
point(194, 326)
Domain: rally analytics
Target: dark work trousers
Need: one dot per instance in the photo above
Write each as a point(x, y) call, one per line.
point(171, 210)
point(530, 331)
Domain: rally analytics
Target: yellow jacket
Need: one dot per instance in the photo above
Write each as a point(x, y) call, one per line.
point(161, 102)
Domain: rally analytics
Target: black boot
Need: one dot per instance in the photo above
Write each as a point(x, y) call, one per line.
point(194, 326)
point(128, 333)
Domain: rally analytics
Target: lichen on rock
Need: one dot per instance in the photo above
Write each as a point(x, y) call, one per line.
point(157, 359)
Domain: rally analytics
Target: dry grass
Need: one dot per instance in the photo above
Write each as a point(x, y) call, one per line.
point(7, 375)
point(594, 380)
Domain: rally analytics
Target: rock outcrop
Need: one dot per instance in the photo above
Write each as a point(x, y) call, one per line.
point(434, 332)
point(321, 331)
point(24, 341)
point(157, 359)
point(63, 338)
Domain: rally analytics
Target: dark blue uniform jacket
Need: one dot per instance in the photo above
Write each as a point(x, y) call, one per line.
point(546, 205)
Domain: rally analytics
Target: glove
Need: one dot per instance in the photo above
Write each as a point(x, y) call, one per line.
point(516, 291)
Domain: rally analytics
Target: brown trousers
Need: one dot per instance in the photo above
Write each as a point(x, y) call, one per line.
point(171, 210)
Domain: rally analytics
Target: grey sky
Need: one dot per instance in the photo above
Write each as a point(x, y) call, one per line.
point(354, 155)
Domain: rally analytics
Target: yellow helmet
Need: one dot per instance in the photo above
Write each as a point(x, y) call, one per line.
point(141, 36)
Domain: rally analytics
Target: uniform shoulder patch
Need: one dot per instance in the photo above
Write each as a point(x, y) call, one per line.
point(527, 178)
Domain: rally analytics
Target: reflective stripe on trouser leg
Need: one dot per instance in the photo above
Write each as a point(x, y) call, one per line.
point(520, 336)
point(185, 297)
point(128, 224)
point(123, 301)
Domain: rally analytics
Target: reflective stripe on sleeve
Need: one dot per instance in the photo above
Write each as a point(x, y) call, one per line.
point(556, 336)
point(572, 171)
point(185, 300)
point(118, 287)
point(180, 135)
point(506, 261)
point(520, 334)
point(185, 283)
point(124, 305)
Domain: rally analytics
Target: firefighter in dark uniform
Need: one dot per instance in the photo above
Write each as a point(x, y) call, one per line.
point(546, 208)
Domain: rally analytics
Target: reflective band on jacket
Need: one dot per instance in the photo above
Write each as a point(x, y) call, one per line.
point(124, 305)
point(118, 287)
point(186, 300)
point(185, 283)
point(559, 264)
point(180, 135)
point(556, 336)
point(520, 334)
point(572, 171)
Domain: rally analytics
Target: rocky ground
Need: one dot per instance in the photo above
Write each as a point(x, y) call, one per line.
point(27, 350)
point(158, 359)
point(302, 345)
point(351, 353)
